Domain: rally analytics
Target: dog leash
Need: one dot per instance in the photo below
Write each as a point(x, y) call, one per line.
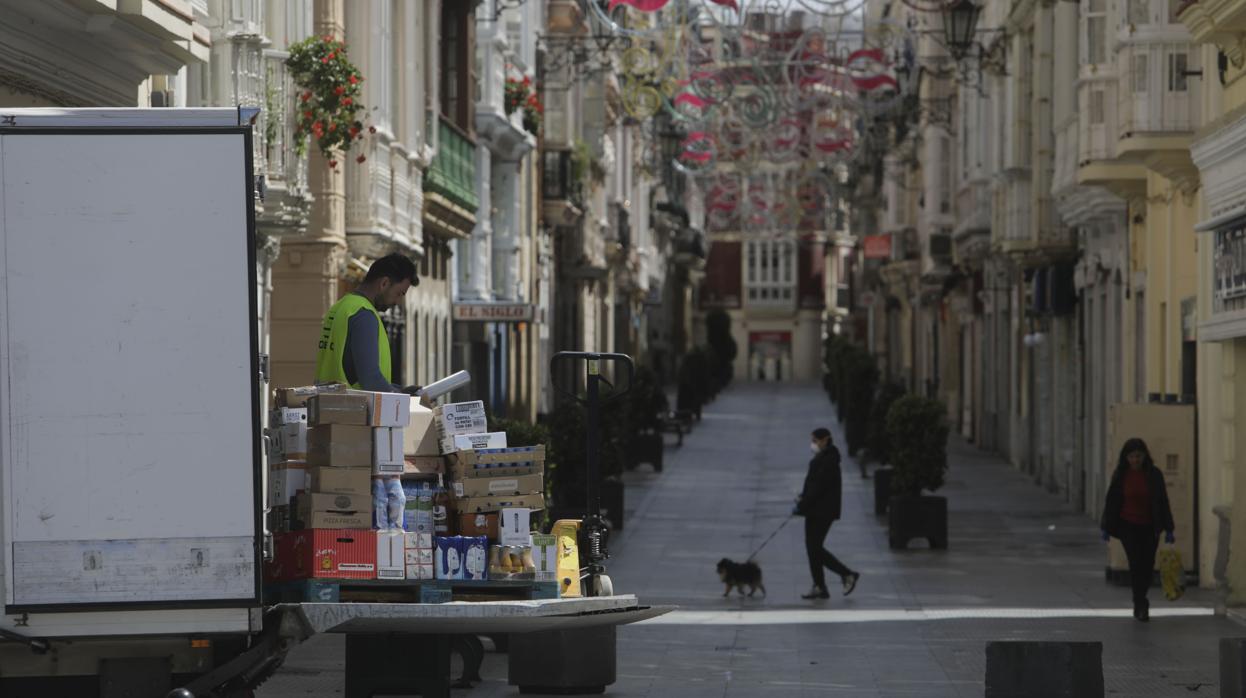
point(772, 535)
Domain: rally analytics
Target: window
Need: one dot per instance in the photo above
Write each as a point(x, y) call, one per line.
point(1096, 32)
point(1141, 73)
point(1096, 107)
point(1177, 79)
point(770, 272)
point(457, 24)
point(1138, 12)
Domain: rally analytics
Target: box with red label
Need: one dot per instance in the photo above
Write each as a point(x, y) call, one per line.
point(323, 553)
point(479, 525)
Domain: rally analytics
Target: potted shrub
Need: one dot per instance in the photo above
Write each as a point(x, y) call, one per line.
point(918, 431)
point(645, 406)
point(877, 444)
point(566, 463)
point(718, 336)
point(861, 380)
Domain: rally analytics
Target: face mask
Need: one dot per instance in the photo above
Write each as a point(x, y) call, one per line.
point(815, 449)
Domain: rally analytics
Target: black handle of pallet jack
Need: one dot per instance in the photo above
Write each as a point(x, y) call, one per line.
point(594, 361)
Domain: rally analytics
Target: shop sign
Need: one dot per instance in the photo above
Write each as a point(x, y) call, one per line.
point(493, 312)
point(1229, 262)
point(877, 246)
point(770, 338)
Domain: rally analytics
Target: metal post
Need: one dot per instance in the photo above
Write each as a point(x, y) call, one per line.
point(591, 457)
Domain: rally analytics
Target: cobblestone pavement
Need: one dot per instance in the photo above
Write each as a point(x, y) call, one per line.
point(1019, 566)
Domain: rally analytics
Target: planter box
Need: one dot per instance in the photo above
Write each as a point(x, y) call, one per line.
point(917, 517)
point(646, 448)
point(882, 490)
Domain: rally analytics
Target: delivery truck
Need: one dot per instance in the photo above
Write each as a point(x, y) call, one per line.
point(132, 473)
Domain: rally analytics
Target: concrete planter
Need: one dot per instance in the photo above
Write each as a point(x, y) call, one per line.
point(917, 516)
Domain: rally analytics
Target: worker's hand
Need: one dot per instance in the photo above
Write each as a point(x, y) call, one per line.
point(1170, 537)
point(1106, 537)
point(412, 390)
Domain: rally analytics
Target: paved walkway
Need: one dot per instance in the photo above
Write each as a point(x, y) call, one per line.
point(1018, 566)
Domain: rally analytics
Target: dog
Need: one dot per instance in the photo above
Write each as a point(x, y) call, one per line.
point(739, 575)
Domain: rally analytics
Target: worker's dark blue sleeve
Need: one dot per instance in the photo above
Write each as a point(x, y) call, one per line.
point(362, 364)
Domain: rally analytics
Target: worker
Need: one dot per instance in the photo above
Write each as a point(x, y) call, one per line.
point(354, 348)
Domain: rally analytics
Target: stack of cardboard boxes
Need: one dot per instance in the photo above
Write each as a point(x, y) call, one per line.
point(376, 486)
point(324, 504)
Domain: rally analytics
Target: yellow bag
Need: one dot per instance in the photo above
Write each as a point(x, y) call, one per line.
point(1171, 573)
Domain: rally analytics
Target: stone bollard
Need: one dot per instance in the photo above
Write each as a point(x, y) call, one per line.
point(1023, 669)
point(1233, 667)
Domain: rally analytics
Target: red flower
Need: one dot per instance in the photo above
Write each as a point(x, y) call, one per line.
point(354, 80)
point(318, 129)
point(307, 115)
point(354, 131)
point(333, 163)
point(332, 55)
point(328, 39)
point(339, 90)
point(527, 81)
point(371, 129)
point(347, 102)
point(332, 127)
point(306, 96)
point(324, 60)
point(360, 159)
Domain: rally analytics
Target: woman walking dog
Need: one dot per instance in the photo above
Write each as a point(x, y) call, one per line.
point(1136, 512)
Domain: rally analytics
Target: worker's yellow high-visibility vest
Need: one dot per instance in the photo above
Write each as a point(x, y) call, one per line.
point(329, 368)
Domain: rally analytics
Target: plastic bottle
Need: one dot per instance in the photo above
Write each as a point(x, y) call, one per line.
point(441, 509)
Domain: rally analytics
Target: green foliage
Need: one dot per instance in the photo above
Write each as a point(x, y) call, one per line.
point(566, 457)
point(860, 381)
point(918, 431)
point(876, 440)
point(645, 404)
point(328, 96)
point(698, 380)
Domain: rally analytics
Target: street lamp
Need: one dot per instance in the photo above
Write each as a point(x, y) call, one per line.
point(960, 22)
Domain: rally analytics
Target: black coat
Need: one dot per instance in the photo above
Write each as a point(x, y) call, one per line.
point(822, 497)
point(1161, 513)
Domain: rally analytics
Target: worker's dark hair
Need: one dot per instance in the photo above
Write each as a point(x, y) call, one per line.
point(396, 267)
point(821, 433)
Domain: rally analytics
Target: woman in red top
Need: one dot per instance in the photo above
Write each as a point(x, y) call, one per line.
point(1136, 512)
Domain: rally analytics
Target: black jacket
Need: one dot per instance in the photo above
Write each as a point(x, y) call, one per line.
point(822, 497)
point(1161, 513)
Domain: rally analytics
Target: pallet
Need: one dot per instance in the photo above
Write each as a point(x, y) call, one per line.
point(407, 591)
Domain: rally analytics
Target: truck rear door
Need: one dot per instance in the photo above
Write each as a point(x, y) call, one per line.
point(130, 455)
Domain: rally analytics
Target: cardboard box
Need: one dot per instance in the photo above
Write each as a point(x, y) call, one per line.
point(545, 555)
point(420, 436)
point(478, 525)
point(515, 526)
point(285, 482)
point(339, 446)
point(449, 561)
point(298, 397)
point(277, 518)
point(424, 465)
point(462, 442)
point(324, 554)
point(418, 511)
point(333, 480)
point(289, 442)
point(318, 501)
point(476, 505)
point(287, 415)
point(386, 409)
point(497, 462)
point(418, 556)
point(497, 486)
point(418, 541)
point(387, 456)
point(475, 558)
point(390, 555)
point(347, 409)
point(420, 572)
point(330, 519)
point(461, 418)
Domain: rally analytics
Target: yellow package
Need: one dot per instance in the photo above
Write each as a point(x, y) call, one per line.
point(1171, 573)
point(566, 532)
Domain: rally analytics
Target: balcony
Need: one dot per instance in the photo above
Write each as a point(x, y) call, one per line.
point(1219, 22)
point(287, 200)
point(1097, 140)
point(562, 192)
point(1158, 106)
point(450, 187)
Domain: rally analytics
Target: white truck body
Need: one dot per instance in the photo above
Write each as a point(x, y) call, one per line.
point(131, 470)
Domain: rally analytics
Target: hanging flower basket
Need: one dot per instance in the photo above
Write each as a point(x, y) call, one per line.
point(328, 97)
point(521, 96)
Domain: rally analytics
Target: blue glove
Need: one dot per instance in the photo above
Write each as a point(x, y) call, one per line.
point(1106, 537)
point(1170, 537)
